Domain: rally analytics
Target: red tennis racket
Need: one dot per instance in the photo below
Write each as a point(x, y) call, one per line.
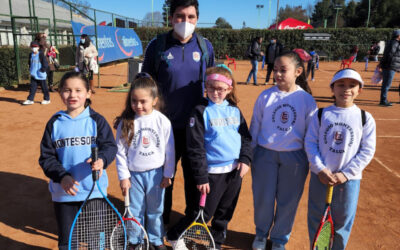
point(323, 239)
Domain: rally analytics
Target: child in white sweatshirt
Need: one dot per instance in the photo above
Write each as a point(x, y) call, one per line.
point(340, 142)
point(145, 158)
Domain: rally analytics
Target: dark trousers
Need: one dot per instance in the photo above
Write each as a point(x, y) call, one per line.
point(50, 74)
point(221, 202)
point(310, 68)
point(65, 215)
point(270, 68)
point(220, 205)
point(33, 88)
point(189, 182)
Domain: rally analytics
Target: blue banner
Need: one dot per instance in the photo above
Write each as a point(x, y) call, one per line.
point(113, 43)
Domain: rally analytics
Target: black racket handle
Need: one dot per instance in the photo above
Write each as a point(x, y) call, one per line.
point(95, 156)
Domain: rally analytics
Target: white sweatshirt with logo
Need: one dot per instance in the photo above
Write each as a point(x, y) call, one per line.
point(152, 146)
point(340, 142)
point(280, 119)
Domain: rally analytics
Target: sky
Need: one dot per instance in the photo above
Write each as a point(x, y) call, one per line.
point(234, 12)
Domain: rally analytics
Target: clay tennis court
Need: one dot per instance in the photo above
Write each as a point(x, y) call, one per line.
point(26, 213)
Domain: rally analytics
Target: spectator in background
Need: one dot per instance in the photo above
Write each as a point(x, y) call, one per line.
point(354, 52)
point(374, 51)
point(312, 63)
point(390, 64)
point(254, 54)
point(85, 59)
point(274, 49)
point(44, 46)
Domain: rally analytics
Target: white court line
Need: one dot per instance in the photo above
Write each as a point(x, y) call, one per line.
point(388, 136)
point(383, 119)
point(387, 168)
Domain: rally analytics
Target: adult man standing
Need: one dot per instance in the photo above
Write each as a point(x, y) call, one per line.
point(177, 60)
point(274, 49)
point(254, 54)
point(390, 64)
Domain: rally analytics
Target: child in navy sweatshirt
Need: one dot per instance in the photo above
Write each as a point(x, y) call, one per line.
point(65, 152)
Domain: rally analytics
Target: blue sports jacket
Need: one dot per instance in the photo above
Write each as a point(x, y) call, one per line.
point(66, 146)
point(178, 76)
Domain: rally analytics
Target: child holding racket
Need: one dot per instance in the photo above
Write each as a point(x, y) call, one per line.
point(340, 142)
point(145, 158)
point(280, 119)
point(65, 152)
point(218, 146)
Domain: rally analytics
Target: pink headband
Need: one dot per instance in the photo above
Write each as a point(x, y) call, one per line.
point(221, 78)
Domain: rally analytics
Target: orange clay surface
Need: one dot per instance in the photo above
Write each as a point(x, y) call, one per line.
point(27, 219)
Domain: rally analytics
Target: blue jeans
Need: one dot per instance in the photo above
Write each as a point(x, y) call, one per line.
point(277, 177)
point(33, 88)
point(147, 204)
point(253, 71)
point(343, 209)
point(387, 78)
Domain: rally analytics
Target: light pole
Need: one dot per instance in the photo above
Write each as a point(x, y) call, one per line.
point(152, 16)
point(337, 8)
point(269, 12)
point(166, 8)
point(369, 11)
point(259, 7)
point(277, 15)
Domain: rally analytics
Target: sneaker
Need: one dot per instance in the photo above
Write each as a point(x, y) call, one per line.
point(259, 243)
point(275, 83)
point(312, 79)
point(134, 246)
point(178, 244)
point(44, 102)
point(386, 104)
point(28, 102)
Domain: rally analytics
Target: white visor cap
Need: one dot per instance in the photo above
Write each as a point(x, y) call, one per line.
point(347, 73)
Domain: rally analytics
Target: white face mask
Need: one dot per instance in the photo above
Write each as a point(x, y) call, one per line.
point(35, 49)
point(184, 29)
point(83, 41)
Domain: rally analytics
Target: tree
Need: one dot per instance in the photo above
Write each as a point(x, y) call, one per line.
point(154, 20)
point(296, 12)
point(82, 5)
point(222, 23)
point(166, 13)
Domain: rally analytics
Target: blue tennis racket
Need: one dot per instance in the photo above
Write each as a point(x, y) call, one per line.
point(95, 221)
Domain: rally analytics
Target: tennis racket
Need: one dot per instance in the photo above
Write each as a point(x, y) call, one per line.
point(197, 235)
point(95, 220)
point(134, 230)
point(323, 239)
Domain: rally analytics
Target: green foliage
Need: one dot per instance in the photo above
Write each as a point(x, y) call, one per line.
point(222, 23)
point(296, 12)
point(8, 69)
point(234, 42)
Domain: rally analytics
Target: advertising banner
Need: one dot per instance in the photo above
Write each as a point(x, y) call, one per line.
point(113, 43)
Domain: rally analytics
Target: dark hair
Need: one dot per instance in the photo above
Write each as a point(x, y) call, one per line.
point(142, 81)
point(312, 48)
point(301, 80)
point(87, 40)
point(78, 75)
point(231, 97)
point(184, 3)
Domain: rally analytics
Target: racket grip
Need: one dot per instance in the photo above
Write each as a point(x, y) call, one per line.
point(127, 199)
point(329, 193)
point(203, 200)
point(95, 156)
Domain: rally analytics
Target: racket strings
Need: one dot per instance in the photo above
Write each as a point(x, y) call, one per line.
point(94, 226)
point(198, 237)
point(324, 238)
point(135, 233)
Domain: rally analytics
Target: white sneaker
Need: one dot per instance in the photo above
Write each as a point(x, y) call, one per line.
point(259, 243)
point(44, 102)
point(28, 102)
point(178, 244)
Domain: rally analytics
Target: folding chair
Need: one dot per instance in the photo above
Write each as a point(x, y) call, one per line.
point(230, 61)
point(346, 62)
